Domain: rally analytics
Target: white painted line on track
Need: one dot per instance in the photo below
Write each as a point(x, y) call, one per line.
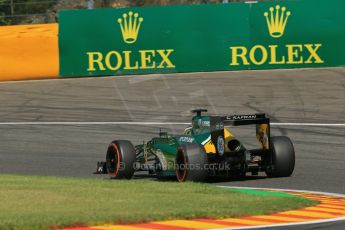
point(92, 123)
point(288, 224)
point(306, 124)
point(147, 123)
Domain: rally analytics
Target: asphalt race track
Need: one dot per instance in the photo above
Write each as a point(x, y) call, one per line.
point(71, 149)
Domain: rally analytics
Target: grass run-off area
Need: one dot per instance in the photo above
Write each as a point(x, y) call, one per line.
point(29, 202)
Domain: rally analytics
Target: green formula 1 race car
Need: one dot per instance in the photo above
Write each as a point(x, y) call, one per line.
point(207, 148)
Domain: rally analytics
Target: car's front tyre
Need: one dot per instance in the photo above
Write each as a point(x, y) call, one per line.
point(120, 159)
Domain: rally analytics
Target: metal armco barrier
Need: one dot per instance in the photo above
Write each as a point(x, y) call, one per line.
point(190, 38)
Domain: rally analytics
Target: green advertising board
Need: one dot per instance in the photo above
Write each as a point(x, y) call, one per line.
point(192, 38)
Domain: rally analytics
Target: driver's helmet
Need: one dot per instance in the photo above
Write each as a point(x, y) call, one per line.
point(197, 125)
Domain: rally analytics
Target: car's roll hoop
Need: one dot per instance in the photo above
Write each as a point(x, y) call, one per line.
point(199, 111)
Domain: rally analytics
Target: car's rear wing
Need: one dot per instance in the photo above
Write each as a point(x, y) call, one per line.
point(259, 119)
point(236, 120)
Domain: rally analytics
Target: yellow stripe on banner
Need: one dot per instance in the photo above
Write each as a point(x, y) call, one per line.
point(29, 52)
point(119, 227)
point(247, 222)
point(326, 210)
point(310, 214)
point(190, 224)
point(282, 218)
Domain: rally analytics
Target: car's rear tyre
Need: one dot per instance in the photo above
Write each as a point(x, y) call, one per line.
point(283, 157)
point(120, 159)
point(190, 163)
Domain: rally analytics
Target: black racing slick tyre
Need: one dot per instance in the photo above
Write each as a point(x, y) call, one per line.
point(190, 163)
point(283, 157)
point(120, 159)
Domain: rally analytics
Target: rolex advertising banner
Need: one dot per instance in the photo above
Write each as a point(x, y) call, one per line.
point(193, 38)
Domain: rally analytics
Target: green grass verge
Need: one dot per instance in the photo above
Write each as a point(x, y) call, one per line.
point(46, 202)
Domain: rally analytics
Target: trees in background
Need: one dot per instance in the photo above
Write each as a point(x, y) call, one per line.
point(46, 11)
point(27, 11)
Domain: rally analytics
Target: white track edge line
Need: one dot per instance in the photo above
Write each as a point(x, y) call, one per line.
point(307, 124)
point(148, 123)
point(287, 224)
point(92, 123)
